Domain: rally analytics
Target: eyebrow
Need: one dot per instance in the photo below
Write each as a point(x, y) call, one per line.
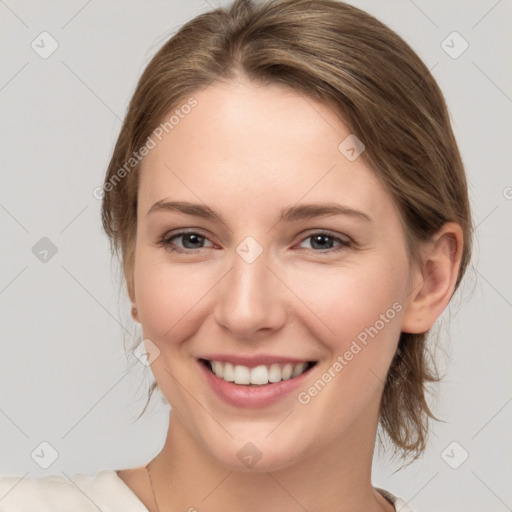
point(293, 213)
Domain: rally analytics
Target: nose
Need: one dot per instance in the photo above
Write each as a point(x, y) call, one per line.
point(250, 299)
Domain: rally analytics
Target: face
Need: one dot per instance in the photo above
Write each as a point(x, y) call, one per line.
point(252, 274)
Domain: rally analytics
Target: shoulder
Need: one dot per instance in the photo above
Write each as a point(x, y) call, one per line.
point(61, 493)
point(399, 503)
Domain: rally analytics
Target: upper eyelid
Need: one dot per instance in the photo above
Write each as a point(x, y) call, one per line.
point(192, 231)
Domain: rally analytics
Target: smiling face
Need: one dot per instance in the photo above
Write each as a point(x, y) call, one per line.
point(262, 276)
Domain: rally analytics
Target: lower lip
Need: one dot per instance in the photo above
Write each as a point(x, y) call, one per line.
point(251, 396)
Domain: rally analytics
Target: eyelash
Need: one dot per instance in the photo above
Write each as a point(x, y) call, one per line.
point(165, 242)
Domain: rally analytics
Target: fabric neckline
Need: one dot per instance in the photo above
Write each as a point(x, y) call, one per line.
point(397, 502)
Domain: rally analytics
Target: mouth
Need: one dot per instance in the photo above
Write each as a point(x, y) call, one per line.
point(258, 376)
point(250, 382)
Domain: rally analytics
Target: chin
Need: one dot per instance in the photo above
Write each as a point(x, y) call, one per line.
point(257, 456)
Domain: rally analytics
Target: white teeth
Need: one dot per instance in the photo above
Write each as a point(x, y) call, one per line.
point(217, 368)
point(299, 369)
point(259, 375)
point(274, 374)
point(228, 373)
point(242, 375)
point(287, 371)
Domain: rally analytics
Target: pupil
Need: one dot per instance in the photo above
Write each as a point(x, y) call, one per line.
point(197, 238)
point(317, 238)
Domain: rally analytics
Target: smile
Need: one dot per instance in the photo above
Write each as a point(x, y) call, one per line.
point(256, 386)
point(259, 375)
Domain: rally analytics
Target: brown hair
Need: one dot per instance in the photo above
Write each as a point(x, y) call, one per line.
point(340, 55)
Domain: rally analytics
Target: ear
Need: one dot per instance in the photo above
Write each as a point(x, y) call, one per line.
point(433, 279)
point(131, 295)
point(130, 285)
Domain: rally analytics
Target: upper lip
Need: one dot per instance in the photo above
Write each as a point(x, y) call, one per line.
point(253, 361)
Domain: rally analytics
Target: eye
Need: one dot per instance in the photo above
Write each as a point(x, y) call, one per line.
point(190, 240)
point(322, 241)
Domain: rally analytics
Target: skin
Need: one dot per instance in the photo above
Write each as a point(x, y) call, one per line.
point(247, 151)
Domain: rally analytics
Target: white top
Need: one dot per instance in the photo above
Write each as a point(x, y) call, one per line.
point(103, 491)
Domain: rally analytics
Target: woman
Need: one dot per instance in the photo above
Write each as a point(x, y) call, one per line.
point(291, 211)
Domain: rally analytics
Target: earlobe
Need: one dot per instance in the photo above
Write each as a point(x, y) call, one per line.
point(434, 280)
point(135, 313)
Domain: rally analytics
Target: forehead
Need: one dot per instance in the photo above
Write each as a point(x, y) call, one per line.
point(245, 145)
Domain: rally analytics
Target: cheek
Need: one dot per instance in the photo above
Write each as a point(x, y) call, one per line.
point(360, 313)
point(169, 297)
point(349, 299)
point(361, 322)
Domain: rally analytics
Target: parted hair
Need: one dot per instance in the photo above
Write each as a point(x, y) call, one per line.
point(384, 93)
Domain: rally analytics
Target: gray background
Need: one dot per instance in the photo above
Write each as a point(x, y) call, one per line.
point(65, 378)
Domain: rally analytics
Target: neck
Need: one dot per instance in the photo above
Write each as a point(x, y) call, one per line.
point(186, 477)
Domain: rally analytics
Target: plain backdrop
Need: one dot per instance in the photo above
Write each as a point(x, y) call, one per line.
point(65, 377)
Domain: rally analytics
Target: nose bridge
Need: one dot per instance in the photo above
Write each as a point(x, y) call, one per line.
point(249, 299)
